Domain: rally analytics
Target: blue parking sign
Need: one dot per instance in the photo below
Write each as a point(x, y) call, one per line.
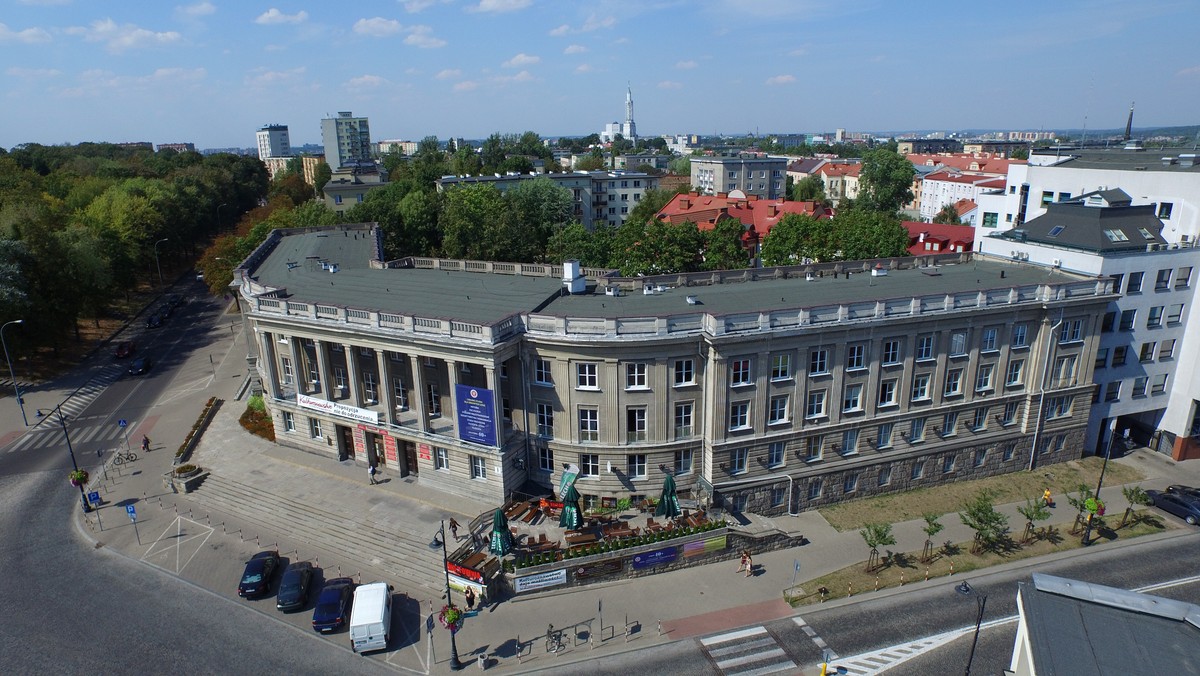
point(94, 497)
point(132, 512)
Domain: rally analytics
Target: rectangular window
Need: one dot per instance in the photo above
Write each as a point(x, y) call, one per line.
point(1162, 281)
point(738, 459)
point(1127, 319)
point(1059, 407)
point(1117, 280)
point(850, 442)
point(947, 464)
point(739, 415)
point(781, 367)
point(1020, 335)
point(918, 469)
point(683, 420)
point(478, 467)
point(980, 457)
point(779, 410)
point(1164, 210)
point(958, 343)
point(884, 440)
point(920, 387)
point(816, 404)
point(887, 393)
point(814, 488)
point(635, 376)
point(433, 402)
point(1047, 197)
point(850, 483)
point(441, 459)
point(1102, 358)
point(589, 424)
point(685, 372)
point(1139, 386)
point(813, 446)
point(1175, 313)
point(635, 423)
point(979, 419)
point(541, 372)
point(818, 361)
point(739, 372)
point(313, 376)
point(1112, 391)
point(289, 378)
point(924, 348)
point(885, 475)
point(891, 352)
point(1010, 412)
point(775, 454)
point(1015, 373)
point(778, 495)
point(949, 424)
point(635, 466)
point(1154, 317)
point(983, 377)
point(399, 394)
point(289, 421)
point(1166, 349)
point(1071, 331)
point(683, 461)
point(1147, 352)
point(988, 342)
point(339, 377)
point(1109, 322)
point(585, 377)
point(589, 465)
point(953, 383)
point(1119, 354)
point(856, 356)
point(1183, 277)
point(916, 430)
point(545, 459)
point(1064, 370)
point(1135, 283)
point(1159, 384)
point(853, 399)
point(545, 420)
point(1008, 450)
point(314, 428)
point(370, 388)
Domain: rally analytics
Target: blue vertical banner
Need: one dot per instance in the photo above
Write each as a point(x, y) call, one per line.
point(476, 410)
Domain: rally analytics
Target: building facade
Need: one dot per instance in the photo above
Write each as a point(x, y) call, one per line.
point(598, 197)
point(273, 141)
point(757, 175)
point(485, 378)
point(346, 138)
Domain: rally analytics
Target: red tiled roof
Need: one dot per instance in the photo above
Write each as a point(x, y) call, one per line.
point(940, 237)
point(965, 206)
point(980, 163)
point(757, 216)
point(831, 169)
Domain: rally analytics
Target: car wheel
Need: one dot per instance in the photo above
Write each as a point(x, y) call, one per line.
point(1191, 520)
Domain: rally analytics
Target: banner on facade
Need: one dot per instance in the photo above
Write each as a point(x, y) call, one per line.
point(655, 558)
point(476, 410)
point(334, 408)
point(551, 578)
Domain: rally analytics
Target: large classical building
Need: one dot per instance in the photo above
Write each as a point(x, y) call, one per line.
point(771, 390)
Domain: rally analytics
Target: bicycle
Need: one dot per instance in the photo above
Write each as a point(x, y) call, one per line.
point(120, 457)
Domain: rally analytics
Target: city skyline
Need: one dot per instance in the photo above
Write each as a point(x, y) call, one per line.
point(213, 72)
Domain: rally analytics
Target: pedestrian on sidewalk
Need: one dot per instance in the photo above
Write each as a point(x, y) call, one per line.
point(371, 474)
point(145, 443)
point(1047, 499)
point(745, 563)
point(749, 564)
point(470, 596)
point(454, 529)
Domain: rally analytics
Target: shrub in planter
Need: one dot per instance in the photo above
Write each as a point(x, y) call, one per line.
point(186, 470)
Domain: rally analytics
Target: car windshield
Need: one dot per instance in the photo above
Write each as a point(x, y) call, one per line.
point(289, 586)
point(251, 578)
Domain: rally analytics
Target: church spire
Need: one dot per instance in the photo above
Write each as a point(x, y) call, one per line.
point(1129, 122)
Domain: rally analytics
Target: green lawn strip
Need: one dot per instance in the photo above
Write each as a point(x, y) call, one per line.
point(907, 567)
point(949, 498)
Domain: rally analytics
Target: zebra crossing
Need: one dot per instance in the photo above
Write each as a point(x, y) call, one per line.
point(48, 433)
point(747, 652)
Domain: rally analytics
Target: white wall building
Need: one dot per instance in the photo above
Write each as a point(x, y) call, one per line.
point(273, 141)
point(346, 138)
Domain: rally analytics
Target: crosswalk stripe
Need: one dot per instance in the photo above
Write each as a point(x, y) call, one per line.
point(732, 636)
point(746, 659)
point(769, 669)
point(741, 647)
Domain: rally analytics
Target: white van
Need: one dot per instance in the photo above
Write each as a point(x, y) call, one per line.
point(371, 617)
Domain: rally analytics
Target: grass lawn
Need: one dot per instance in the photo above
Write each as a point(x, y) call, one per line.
point(947, 498)
point(905, 568)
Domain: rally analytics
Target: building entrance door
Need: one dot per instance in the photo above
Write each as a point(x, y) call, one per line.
point(409, 461)
point(345, 442)
point(375, 454)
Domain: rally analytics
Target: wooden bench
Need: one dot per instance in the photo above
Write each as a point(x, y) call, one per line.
point(531, 515)
point(582, 538)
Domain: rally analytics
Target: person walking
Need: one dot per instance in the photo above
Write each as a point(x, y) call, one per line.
point(1046, 499)
point(454, 528)
point(371, 474)
point(470, 596)
point(749, 564)
point(745, 563)
point(145, 443)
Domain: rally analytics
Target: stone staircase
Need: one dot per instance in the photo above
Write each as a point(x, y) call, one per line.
point(400, 550)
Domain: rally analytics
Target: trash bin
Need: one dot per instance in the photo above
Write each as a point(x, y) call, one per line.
point(482, 661)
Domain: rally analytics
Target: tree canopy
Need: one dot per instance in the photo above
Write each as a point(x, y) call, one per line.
point(885, 181)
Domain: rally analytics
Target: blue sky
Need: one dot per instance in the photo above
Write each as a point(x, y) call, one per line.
point(213, 71)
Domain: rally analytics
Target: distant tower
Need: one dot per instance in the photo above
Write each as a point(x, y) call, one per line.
point(273, 141)
point(1129, 122)
point(629, 129)
point(347, 140)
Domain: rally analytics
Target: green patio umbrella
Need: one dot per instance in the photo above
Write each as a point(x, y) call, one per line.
point(570, 517)
point(501, 537)
point(668, 504)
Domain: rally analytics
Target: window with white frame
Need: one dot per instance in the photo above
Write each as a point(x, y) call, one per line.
point(635, 423)
point(545, 420)
point(1147, 352)
point(983, 377)
point(818, 361)
point(1008, 450)
point(541, 372)
point(987, 342)
point(779, 410)
point(849, 442)
point(1163, 281)
point(980, 457)
point(441, 459)
point(856, 357)
point(478, 467)
point(1128, 317)
point(1064, 368)
point(781, 366)
point(1071, 331)
point(920, 387)
point(885, 475)
point(1154, 317)
point(739, 370)
point(884, 435)
point(918, 469)
point(683, 461)
point(635, 465)
point(289, 421)
point(775, 454)
point(683, 419)
point(314, 428)
point(738, 459)
point(814, 488)
point(816, 404)
point(1112, 391)
point(1158, 384)
point(546, 459)
point(887, 393)
point(365, 351)
point(586, 377)
point(850, 483)
point(958, 343)
point(947, 464)
point(979, 419)
point(1015, 373)
point(314, 376)
point(1166, 349)
point(924, 347)
point(399, 393)
point(1175, 313)
point(778, 495)
point(739, 415)
point(1020, 335)
point(891, 352)
point(589, 424)
point(589, 465)
point(339, 377)
point(813, 447)
point(953, 382)
point(289, 378)
point(1059, 407)
point(1139, 386)
point(916, 430)
point(685, 372)
point(1010, 412)
point(1135, 283)
point(950, 424)
point(636, 376)
point(370, 387)
point(433, 402)
point(1183, 277)
point(852, 401)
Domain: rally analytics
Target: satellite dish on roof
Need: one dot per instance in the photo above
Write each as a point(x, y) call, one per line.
point(737, 195)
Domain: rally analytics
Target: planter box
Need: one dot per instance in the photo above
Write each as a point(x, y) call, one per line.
point(201, 425)
point(187, 484)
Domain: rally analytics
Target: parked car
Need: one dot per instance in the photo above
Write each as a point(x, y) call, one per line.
point(173, 300)
point(256, 578)
point(140, 366)
point(1185, 491)
point(165, 309)
point(153, 321)
point(1174, 503)
point(125, 348)
point(293, 587)
point(333, 605)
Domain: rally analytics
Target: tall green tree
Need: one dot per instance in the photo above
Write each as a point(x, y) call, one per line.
point(797, 237)
point(947, 215)
point(885, 181)
point(474, 220)
point(863, 234)
point(723, 246)
point(591, 248)
point(539, 206)
point(651, 203)
point(656, 248)
point(809, 189)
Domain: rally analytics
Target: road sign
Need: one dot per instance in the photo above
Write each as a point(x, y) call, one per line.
point(94, 497)
point(132, 513)
point(122, 423)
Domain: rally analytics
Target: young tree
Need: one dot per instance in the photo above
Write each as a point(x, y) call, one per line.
point(809, 189)
point(876, 535)
point(885, 181)
point(948, 215)
point(1134, 495)
point(1034, 510)
point(1079, 502)
point(980, 515)
point(932, 527)
point(321, 176)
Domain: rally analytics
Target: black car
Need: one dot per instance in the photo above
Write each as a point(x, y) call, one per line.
point(293, 587)
point(173, 300)
point(140, 365)
point(1187, 492)
point(333, 605)
point(256, 579)
point(1179, 505)
point(154, 321)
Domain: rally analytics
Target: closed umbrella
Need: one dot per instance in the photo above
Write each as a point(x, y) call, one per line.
point(668, 503)
point(501, 543)
point(570, 518)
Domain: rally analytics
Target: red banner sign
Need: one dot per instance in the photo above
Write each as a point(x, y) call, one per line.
point(462, 571)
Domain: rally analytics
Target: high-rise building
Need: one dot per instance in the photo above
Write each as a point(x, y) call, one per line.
point(346, 138)
point(627, 129)
point(273, 142)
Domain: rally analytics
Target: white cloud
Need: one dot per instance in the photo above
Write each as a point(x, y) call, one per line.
point(419, 36)
point(498, 6)
point(686, 65)
point(273, 16)
point(118, 38)
point(561, 30)
point(520, 60)
point(377, 27)
point(596, 23)
point(575, 49)
point(262, 76)
point(583, 68)
point(799, 51)
point(38, 73)
point(523, 76)
point(99, 82)
point(197, 10)
point(414, 6)
point(670, 84)
point(1194, 70)
point(366, 81)
point(781, 79)
point(465, 86)
point(449, 74)
point(177, 74)
point(29, 35)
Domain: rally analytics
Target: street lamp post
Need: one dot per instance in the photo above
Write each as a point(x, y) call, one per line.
point(63, 421)
point(981, 599)
point(11, 374)
point(156, 264)
point(1087, 530)
point(440, 538)
point(219, 216)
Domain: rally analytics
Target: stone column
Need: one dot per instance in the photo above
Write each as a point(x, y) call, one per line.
point(269, 356)
point(498, 408)
point(323, 370)
point(452, 395)
point(299, 373)
point(385, 387)
point(417, 401)
point(352, 375)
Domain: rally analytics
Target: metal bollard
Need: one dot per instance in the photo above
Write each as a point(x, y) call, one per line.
point(518, 638)
point(876, 583)
point(849, 589)
point(660, 627)
point(901, 578)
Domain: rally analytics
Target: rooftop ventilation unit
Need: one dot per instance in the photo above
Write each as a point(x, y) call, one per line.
point(693, 300)
point(573, 279)
point(612, 291)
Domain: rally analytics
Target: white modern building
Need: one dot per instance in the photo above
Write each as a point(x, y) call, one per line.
point(346, 138)
point(273, 141)
point(949, 187)
point(627, 129)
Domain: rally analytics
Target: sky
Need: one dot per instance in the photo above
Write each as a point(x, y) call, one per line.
point(212, 72)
